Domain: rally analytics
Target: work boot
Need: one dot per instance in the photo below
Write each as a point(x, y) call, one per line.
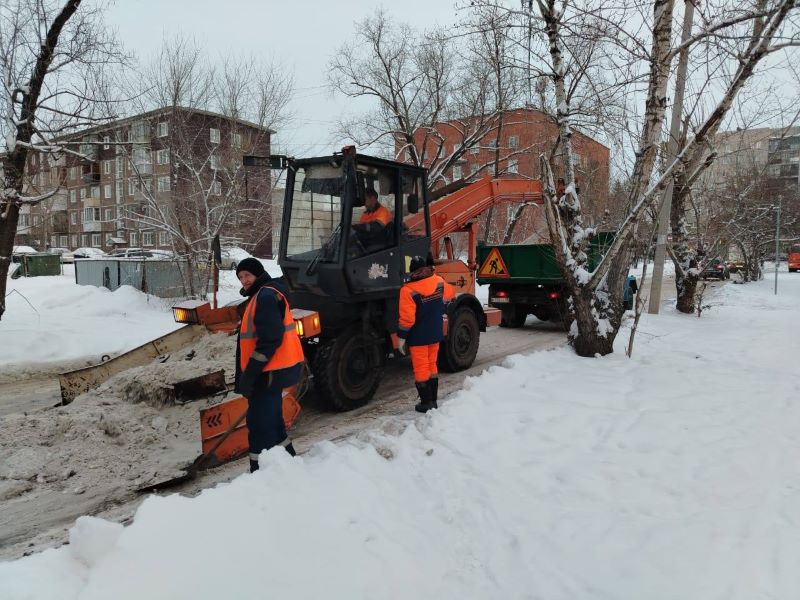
point(253, 466)
point(424, 390)
point(433, 383)
point(290, 449)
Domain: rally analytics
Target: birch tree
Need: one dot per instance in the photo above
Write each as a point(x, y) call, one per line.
point(595, 296)
point(52, 56)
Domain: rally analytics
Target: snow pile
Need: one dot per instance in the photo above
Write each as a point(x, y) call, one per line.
point(53, 320)
point(668, 475)
point(117, 437)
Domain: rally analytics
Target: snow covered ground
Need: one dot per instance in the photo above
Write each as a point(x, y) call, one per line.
point(673, 474)
point(51, 321)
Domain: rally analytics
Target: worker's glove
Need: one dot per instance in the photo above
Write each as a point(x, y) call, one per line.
point(250, 376)
point(401, 346)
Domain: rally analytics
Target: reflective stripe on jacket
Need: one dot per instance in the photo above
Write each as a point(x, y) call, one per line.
point(421, 310)
point(290, 351)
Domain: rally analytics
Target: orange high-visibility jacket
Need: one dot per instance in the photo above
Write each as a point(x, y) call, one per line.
point(290, 351)
point(421, 310)
point(380, 214)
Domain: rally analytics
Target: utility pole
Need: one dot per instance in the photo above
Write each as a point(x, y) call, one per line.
point(672, 152)
point(777, 242)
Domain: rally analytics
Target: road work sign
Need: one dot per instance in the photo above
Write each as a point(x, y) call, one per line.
point(494, 266)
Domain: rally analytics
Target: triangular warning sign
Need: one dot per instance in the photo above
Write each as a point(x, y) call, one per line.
point(494, 266)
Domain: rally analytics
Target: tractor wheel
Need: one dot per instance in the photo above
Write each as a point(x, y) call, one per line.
point(513, 316)
point(458, 350)
point(347, 369)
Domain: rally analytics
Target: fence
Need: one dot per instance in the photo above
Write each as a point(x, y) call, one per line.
point(160, 278)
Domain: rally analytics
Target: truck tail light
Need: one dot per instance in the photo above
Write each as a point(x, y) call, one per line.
point(501, 294)
point(553, 295)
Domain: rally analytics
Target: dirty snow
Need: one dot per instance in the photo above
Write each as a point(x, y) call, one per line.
point(668, 475)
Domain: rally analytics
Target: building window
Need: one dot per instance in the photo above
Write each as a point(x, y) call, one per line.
point(64, 241)
point(147, 185)
point(91, 214)
point(163, 240)
point(73, 239)
point(83, 193)
point(513, 166)
point(475, 149)
point(134, 238)
point(24, 220)
point(456, 173)
point(73, 218)
point(37, 220)
point(163, 129)
point(120, 191)
point(162, 157)
point(216, 188)
point(473, 169)
point(237, 140)
point(74, 172)
point(455, 148)
point(108, 215)
point(163, 184)
point(106, 141)
point(107, 191)
point(96, 240)
point(119, 166)
point(73, 196)
point(147, 238)
point(53, 241)
point(513, 142)
point(131, 186)
point(214, 135)
point(214, 162)
point(95, 192)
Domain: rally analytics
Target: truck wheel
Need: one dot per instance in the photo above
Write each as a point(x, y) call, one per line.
point(458, 350)
point(347, 369)
point(513, 316)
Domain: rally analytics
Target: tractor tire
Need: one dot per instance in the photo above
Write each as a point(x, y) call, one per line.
point(347, 369)
point(513, 317)
point(458, 350)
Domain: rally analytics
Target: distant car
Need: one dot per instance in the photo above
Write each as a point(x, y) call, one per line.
point(735, 266)
point(130, 253)
point(716, 269)
point(81, 253)
point(23, 250)
point(66, 256)
point(162, 254)
point(232, 256)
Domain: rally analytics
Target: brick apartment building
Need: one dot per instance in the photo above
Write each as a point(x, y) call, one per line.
point(171, 158)
point(526, 133)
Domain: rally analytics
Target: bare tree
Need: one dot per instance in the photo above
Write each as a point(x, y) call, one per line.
point(208, 193)
point(595, 297)
point(51, 60)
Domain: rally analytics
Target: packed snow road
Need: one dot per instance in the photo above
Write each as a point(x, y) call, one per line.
point(32, 518)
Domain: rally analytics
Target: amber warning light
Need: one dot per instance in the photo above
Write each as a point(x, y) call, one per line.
point(306, 323)
point(189, 311)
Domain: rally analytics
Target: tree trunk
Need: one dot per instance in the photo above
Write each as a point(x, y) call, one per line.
point(587, 334)
point(9, 216)
point(686, 286)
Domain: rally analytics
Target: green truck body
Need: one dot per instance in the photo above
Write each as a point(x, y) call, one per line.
point(531, 282)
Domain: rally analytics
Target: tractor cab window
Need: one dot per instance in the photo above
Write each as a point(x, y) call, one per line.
point(314, 224)
point(413, 196)
point(372, 225)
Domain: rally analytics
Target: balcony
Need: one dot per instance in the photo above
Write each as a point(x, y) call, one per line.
point(90, 173)
point(92, 227)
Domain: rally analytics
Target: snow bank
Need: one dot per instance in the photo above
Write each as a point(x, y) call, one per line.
point(669, 475)
point(53, 320)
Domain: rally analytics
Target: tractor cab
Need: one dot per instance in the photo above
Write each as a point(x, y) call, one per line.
point(351, 224)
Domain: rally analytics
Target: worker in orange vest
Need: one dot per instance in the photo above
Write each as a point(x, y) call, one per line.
point(269, 358)
point(422, 302)
point(374, 211)
point(372, 228)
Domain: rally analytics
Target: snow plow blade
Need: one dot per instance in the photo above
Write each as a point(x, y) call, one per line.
point(75, 383)
point(223, 432)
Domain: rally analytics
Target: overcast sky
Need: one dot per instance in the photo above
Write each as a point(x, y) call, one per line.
point(303, 35)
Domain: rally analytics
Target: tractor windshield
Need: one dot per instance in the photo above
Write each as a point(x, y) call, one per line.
point(316, 213)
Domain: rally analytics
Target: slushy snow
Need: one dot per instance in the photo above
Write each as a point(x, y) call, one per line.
point(673, 474)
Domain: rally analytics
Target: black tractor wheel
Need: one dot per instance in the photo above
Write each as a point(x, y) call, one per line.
point(513, 316)
point(458, 350)
point(347, 369)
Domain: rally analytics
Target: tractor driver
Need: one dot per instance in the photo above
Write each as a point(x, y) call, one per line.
point(374, 224)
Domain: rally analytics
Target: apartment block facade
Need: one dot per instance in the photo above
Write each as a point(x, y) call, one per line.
point(114, 180)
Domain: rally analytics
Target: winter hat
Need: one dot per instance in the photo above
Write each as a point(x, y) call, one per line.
point(251, 265)
point(417, 263)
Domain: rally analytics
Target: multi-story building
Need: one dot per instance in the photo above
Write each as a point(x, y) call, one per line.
point(526, 133)
point(783, 164)
point(131, 181)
